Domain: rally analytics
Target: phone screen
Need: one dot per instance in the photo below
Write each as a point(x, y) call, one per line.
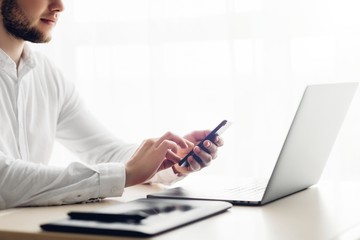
point(217, 131)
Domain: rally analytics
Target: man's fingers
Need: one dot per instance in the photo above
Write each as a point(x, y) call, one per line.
point(183, 143)
point(193, 164)
point(165, 145)
point(171, 156)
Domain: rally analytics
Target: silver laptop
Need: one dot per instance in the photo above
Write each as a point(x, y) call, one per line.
point(304, 153)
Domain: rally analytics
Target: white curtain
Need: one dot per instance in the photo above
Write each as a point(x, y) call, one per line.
point(149, 66)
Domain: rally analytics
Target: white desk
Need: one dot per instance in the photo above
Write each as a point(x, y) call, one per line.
point(325, 211)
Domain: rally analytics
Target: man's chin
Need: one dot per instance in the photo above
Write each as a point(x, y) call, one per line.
point(39, 39)
point(46, 40)
point(35, 35)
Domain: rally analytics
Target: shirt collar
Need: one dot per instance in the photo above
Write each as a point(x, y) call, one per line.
point(27, 62)
point(27, 57)
point(5, 60)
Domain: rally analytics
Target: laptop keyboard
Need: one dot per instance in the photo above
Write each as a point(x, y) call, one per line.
point(248, 191)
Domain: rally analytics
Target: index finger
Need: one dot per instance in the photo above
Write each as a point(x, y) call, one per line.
point(183, 143)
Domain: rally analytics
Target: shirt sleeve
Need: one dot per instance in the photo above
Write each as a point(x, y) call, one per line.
point(80, 132)
point(24, 183)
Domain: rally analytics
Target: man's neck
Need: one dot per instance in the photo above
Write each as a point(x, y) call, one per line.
point(12, 46)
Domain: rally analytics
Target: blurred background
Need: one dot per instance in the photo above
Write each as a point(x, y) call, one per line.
point(146, 67)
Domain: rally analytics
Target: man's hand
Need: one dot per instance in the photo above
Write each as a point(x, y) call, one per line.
point(153, 156)
point(205, 157)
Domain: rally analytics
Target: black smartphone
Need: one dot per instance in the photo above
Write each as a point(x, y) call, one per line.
point(217, 131)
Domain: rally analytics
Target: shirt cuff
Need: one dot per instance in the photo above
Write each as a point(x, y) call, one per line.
point(112, 179)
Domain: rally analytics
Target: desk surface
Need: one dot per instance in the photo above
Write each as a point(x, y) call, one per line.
point(324, 211)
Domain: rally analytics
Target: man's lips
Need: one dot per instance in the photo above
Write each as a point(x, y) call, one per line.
point(51, 21)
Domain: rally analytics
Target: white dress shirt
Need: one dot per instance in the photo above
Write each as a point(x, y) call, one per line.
point(37, 106)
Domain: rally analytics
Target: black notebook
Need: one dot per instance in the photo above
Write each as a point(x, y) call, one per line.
point(142, 217)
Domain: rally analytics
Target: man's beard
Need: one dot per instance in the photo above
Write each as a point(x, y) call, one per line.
point(17, 24)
